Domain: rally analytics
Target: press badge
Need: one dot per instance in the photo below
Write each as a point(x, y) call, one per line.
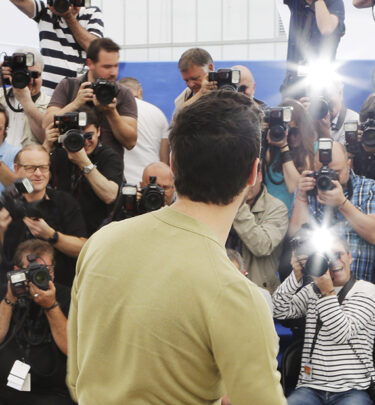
point(19, 376)
point(307, 371)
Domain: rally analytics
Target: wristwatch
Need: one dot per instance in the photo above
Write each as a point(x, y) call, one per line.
point(54, 238)
point(87, 169)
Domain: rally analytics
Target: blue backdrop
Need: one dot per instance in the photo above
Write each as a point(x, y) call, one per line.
point(162, 81)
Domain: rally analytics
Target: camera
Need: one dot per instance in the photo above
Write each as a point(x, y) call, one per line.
point(351, 137)
point(319, 108)
point(127, 206)
point(13, 200)
point(70, 127)
point(368, 136)
point(62, 6)
point(104, 90)
point(325, 175)
point(35, 272)
point(227, 79)
point(277, 119)
point(19, 63)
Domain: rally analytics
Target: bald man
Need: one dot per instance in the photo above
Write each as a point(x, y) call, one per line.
point(247, 84)
point(164, 179)
point(350, 204)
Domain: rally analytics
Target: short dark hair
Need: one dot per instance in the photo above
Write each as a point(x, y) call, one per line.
point(5, 112)
point(194, 56)
point(37, 247)
point(101, 43)
point(214, 143)
point(368, 108)
point(93, 116)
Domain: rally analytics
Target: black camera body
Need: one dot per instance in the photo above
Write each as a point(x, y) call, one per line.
point(70, 126)
point(151, 200)
point(62, 6)
point(19, 63)
point(35, 272)
point(13, 200)
point(325, 175)
point(227, 79)
point(277, 120)
point(104, 90)
point(351, 135)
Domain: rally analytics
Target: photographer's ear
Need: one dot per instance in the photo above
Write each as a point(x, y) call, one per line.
point(253, 174)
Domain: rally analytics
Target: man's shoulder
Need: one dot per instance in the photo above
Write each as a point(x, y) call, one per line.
point(364, 288)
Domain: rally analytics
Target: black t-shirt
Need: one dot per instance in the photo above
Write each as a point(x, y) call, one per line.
point(63, 214)
point(68, 177)
point(34, 343)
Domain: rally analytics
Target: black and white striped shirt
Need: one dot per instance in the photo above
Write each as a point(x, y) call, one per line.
point(335, 365)
point(63, 56)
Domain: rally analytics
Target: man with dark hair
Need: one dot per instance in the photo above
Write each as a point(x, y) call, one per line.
point(7, 152)
point(54, 216)
point(92, 175)
point(169, 294)
point(64, 37)
point(118, 121)
point(33, 330)
point(194, 65)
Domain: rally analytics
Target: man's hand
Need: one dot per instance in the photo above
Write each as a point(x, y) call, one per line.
point(22, 95)
point(44, 298)
point(6, 72)
point(332, 197)
point(69, 11)
point(298, 263)
point(39, 228)
point(207, 86)
point(324, 283)
point(105, 108)
point(306, 183)
point(9, 295)
point(5, 220)
point(52, 135)
point(79, 158)
point(85, 94)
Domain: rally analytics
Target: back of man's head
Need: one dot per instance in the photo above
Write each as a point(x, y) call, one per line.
point(214, 143)
point(134, 85)
point(106, 44)
point(194, 56)
point(368, 108)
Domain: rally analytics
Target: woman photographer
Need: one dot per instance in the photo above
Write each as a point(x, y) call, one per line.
point(284, 160)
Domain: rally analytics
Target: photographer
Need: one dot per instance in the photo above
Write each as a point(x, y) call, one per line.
point(25, 126)
point(337, 363)
point(92, 174)
point(285, 159)
point(315, 30)
point(257, 233)
point(118, 112)
point(55, 216)
point(164, 179)
point(64, 35)
point(33, 330)
point(347, 201)
point(194, 65)
point(360, 142)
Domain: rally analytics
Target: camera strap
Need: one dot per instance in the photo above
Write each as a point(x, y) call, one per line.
point(7, 95)
point(340, 297)
point(340, 119)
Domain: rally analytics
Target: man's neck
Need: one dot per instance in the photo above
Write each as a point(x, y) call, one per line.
point(217, 217)
point(35, 196)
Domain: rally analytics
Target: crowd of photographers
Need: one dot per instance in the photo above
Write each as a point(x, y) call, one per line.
point(68, 144)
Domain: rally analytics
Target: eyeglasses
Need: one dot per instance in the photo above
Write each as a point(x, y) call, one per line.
point(32, 168)
point(34, 74)
point(88, 135)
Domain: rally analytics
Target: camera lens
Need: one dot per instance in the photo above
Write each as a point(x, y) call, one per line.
point(74, 140)
point(153, 200)
point(316, 265)
point(20, 78)
point(324, 183)
point(61, 6)
point(105, 92)
point(40, 277)
point(277, 133)
point(368, 137)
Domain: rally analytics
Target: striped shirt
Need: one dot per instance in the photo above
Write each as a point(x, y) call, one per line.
point(363, 252)
point(335, 365)
point(63, 56)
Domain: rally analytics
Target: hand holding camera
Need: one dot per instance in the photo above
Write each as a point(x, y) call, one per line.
point(324, 283)
point(39, 227)
point(306, 185)
point(207, 85)
point(85, 94)
point(333, 197)
point(44, 298)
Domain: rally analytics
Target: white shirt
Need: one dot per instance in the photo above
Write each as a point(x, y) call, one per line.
point(339, 135)
point(152, 128)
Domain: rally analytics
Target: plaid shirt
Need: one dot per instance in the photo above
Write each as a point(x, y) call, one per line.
point(362, 251)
